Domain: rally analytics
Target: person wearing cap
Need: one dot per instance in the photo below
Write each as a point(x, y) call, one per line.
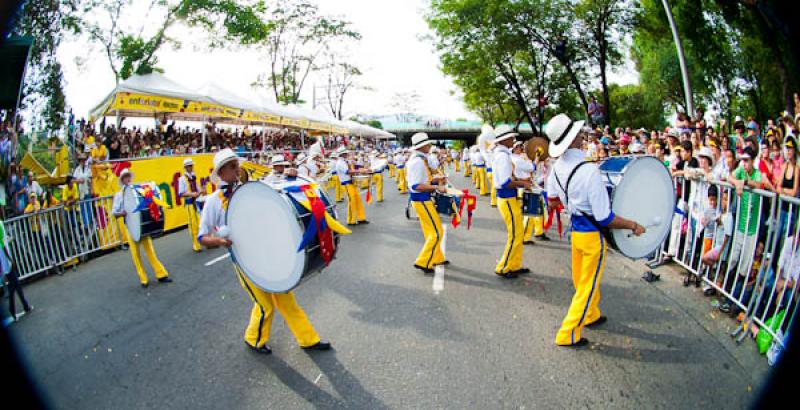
point(355, 205)
point(421, 182)
point(213, 226)
point(279, 171)
point(189, 191)
point(117, 209)
point(579, 186)
point(510, 207)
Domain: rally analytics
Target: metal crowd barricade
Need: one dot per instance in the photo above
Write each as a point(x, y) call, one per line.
point(58, 236)
point(751, 270)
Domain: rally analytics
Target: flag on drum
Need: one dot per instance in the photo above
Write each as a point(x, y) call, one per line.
point(317, 227)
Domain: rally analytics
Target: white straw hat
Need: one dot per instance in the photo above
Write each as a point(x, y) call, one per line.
point(504, 132)
point(187, 162)
point(220, 159)
point(278, 160)
point(561, 131)
point(419, 140)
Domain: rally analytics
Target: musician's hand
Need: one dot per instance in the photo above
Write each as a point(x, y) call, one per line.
point(638, 230)
point(225, 242)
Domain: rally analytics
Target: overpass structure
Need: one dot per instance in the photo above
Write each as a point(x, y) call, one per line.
point(442, 130)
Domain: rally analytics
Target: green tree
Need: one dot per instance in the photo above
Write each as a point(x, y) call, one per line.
point(633, 107)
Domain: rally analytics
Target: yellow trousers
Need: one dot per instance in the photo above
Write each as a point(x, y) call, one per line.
point(534, 225)
point(401, 180)
point(482, 186)
point(149, 251)
point(588, 262)
point(377, 180)
point(492, 189)
point(511, 211)
point(193, 217)
point(458, 166)
point(338, 187)
point(431, 253)
point(391, 170)
point(355, 206)
point(467, 170)
point(475, 174)
point(265, 303)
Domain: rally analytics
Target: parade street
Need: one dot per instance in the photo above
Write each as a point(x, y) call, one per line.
point(401, 339)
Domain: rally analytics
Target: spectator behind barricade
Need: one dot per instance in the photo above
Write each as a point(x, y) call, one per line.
point(686, 162)
point(19, 196)
point(788, 184)
point(83, 176)
point(723, 234)
point(33, 186)
point(777, 158)
point(737, 140)
point(764, 162)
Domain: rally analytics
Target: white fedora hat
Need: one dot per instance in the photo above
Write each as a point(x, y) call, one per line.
point(706, 152)
point(187, 162)
point(419, 140)
point(125, 172)
point(504, 132)
point(561, 131)
point(279, 160)
point(301, 157)
point(221, 158)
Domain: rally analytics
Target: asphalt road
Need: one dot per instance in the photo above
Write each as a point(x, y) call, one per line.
point(97, 340)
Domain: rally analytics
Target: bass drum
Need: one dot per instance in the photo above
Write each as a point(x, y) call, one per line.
point(640, 189)
point(266, 224)
point(140, 223)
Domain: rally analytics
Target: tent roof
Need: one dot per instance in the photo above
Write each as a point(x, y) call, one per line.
point(14, 55)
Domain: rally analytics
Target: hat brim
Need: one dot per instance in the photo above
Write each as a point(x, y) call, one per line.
point(556, 150)
point(505, 137)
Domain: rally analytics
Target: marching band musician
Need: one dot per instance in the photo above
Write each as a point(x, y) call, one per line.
point(392, 165)
point(510, 264)
point(189, 191)
point(334, 179)
point(421, 183)
point(454, 157)
point(278, 164)
point(578, 184)
point(479, 173)
point(467, 166)
point(212, 234)
point(355, 206)
point(400, 160)
point(488, 156)
point(117, 209)
point(523, 171)
point(377, 164)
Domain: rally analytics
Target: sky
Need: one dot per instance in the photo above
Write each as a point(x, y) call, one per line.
point(392, 54)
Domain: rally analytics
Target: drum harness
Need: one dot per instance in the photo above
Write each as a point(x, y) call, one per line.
point(604, 231)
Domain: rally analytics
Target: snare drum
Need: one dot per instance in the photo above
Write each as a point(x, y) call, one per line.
point(138, 220)
point(532, 203)
point(266, 224)
point(446, 204)
point(640, 189)
point(361, 181)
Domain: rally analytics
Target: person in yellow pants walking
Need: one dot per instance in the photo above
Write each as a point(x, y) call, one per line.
point(421, 183)
point(212, 221)
point(523, 171)
point(355, 205)
point(467, 166)
point(378, 166)
point(578, 184)
point(510, 264)
point(189, 191)
point(400, 160)
point(117, 209)
point(489, 180)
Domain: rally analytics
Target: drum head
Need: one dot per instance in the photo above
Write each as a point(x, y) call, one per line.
point(645, 195)
point(265, 233)
point(133, 220)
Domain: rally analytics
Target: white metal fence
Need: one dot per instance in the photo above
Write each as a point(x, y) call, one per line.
point(745, 248)
point(59, 236)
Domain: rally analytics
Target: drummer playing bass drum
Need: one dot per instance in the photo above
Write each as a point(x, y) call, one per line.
point(579, 186)
point(212, 234)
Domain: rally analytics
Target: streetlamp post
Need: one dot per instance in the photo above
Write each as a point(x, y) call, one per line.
point(687, 86)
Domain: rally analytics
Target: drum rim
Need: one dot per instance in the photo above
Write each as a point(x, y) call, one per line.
point(616, 233)
point(233, 254)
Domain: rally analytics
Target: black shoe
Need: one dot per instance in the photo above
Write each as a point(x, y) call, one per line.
point(725, 307)
point(542, 237)
point(445, 263)
point(165, 280)
point(29, 309)
point(364, 222)
point(709, 292)
point(529, 243)
point(650, 277)
point(263, 349)
point(321, 345)
point(145, 285)
point(509, 275)
point(580, 343)
point(424, 269)
point(598, 322)
point(522, 271)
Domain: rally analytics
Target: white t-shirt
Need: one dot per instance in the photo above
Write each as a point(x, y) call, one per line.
point(720, 234)
point(587, 190)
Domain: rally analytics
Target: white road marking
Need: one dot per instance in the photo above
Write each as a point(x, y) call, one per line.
point(215, 260)
point(438, 276)
point(317, 379)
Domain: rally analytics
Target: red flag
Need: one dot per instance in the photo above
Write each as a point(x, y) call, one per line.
point(324, 232)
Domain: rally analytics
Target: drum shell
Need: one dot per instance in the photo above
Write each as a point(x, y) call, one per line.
point(361, 181)
point(314, 261)
point(444, 204)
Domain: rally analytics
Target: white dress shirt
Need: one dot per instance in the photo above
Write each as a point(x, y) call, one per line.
point(416, 171)
point(523, 167)
point(212, 219)
point(342, 170)
point(501, 167)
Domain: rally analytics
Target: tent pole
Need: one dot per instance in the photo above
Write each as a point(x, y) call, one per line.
point(205, 131)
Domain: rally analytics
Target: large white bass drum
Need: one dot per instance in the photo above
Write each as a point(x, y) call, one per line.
point(266, 223)
point(640, 189)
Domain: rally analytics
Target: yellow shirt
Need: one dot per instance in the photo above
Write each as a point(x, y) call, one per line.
point(31, 208)
point(68, 194)
point(100, 153)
